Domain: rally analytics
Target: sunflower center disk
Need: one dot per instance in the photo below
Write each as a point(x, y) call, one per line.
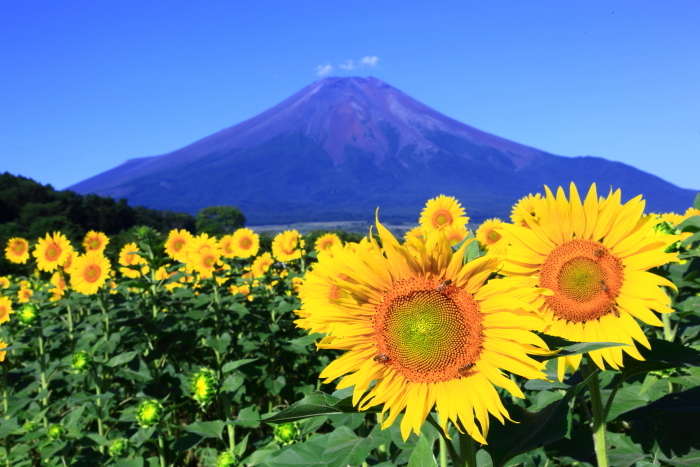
point(92, 273)
point(442, 217)
point(586, 279)
point(428, 335)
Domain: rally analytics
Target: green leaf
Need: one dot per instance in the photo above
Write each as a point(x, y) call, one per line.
point(232, 383)
point(350, 420)
point(121, 359)
point(579, 348)
point(624, 453)
point(346, 448)
point(8, 426)
point(240, 448)
point(275, 385)
point(220, 343)
point(206, 429)
point(541, 385)
point(309, 453)
point(663, 355)
point(691, 224)
point(533, 430)
point(626, 399)
point(316, 403)
point(142, 435)
point(690, 240)
point(307, 340)
point(696, 203)
point(259, 455)
point(692, 459)
point(249, 417)
point(187, 442)
point(422, 455)
point(137, 462)
point(230, 366)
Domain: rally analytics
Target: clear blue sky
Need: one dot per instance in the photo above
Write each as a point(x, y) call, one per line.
point(87, 85)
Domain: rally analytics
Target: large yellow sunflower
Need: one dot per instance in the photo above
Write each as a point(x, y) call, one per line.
point(487, 234)
point(176, 244)
point(89, 272)
point(52, 251)
point(425, 328)
point(17, 250)
point(95, 241)
point(441, 212)
point(286, 246)
point(5, 309)
point(594, 255)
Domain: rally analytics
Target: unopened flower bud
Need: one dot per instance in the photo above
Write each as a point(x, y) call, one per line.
point(56, 432)
point(81, 361)
point(149, 413)
point(119, 447)
point(28, 314)
point(286, 433)
point(226, 459)
point(204, 386)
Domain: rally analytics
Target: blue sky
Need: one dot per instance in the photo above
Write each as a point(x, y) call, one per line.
point(87, 85)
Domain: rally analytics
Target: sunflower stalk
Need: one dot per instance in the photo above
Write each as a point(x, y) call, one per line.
point(599, 425)
point(467, 450)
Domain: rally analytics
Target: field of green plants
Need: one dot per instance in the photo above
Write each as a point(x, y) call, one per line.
point(183, 350)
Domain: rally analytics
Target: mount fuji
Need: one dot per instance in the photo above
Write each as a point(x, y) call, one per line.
point(341, 147)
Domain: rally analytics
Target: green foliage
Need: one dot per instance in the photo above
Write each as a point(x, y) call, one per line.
point(30, 210)
point(219, 220)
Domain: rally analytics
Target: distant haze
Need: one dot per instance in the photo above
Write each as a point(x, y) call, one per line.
point(341, 147)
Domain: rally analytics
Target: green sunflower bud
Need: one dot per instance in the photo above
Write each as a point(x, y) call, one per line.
point(149, 413)
point(81, 361)
point(28, 314)
point(30, 426)
point(56, 432)
point(204, 385)
point(286, 433)
point(119, 447)
point(226, 459)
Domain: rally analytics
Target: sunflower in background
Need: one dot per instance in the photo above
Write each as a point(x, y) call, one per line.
point(176, 244)
point(4, 282)
point(287, 246)
point(245, 243)
point(594, 256)
point(5, 309)
point(326, 242)
point(427, 329)
point(261, 265)
point(95, 241)
point(441, 212)
point(52, 251)
point(17, 250)
point(527, 208)
point(129, 256)
point(455, 234)
point(59, 286)
point(89, 272)
point(487, 234)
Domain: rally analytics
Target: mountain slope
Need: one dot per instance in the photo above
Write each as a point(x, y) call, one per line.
point(340, 147)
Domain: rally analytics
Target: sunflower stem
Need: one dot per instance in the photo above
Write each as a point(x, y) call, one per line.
point(467, 450)
point(599, 437)
point(456, 460)
point(443, 452)
point(669, 332)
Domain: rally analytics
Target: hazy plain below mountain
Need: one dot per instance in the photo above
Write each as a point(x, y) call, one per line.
point(341, 147)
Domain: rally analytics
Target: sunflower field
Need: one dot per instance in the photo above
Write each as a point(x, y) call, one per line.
point(568, 335)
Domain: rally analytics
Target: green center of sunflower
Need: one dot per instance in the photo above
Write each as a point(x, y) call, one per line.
point(92, 273)
point(94, 244)
point(442, 218)
point(494, 236)
point(581, 279)
point(428, 331)
point(586, 278)
point(246, 243)
point(178, 244)
point(18, 248)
